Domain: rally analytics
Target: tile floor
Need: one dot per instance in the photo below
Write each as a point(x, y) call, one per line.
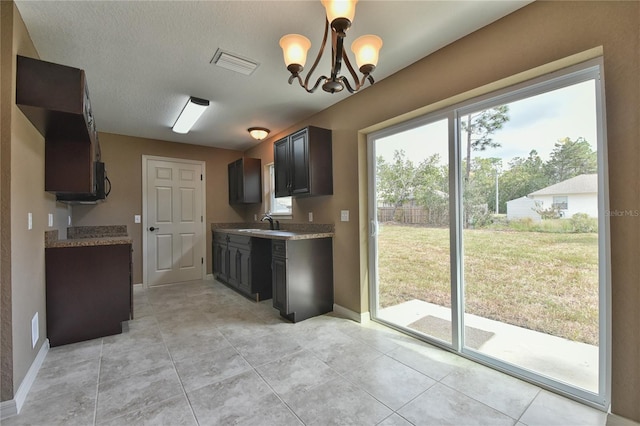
point(200, 354)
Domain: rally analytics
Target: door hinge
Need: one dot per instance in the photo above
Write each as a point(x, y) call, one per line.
point(202, 260)
point(201, 177)
point(201, 219)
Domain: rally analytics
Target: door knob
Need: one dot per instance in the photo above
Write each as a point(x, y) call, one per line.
point(153, 229)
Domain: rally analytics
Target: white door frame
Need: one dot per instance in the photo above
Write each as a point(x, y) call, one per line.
point(145, 159)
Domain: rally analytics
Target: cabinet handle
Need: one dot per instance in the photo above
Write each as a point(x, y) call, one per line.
point(373, 231)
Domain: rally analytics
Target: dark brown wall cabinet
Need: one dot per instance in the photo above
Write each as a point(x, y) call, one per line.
point(243, 263)
point(89, 292)
point(55, 98)
point(245, 181)
point(303, 163)
point(302, 275)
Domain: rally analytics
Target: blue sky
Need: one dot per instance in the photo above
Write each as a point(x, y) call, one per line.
point(536, 123)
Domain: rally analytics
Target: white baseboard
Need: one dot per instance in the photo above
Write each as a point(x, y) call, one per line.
point(138, 286)
point(349, 314)
point(209, 277)
point(12, 407)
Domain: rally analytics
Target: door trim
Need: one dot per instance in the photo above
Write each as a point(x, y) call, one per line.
point(145, 159)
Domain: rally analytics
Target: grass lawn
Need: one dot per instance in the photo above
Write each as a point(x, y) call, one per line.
point(541, 281)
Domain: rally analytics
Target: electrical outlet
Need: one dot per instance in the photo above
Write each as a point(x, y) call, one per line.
point(35, 330)
point(137, 218)
point(344, 215)
point(310, 216)
point(255, 217)
point(50, 220)
point(69, 221)
point(29, 221)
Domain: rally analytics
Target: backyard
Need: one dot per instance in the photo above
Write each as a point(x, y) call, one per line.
point(542, 281)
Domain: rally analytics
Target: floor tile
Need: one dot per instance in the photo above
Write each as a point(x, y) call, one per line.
point(211, 367)
point(336, 402)
point(434, 362)
point(117, 365)
point(118, 397)
point(242, 399)
point(493, 388)
point(200, 342)
point(130, 341)
point(550, 409)
point(394, 420)
point(267, 348)
point(297, 372)
point(65, 378)
point(69, 409)
point(390, 382)
point(441, 405)
point(172, 412)
point(346, 356)
point(76, 352)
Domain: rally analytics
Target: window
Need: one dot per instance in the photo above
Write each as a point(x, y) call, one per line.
point(500, 288)
point(280, 206)
point(560, 202)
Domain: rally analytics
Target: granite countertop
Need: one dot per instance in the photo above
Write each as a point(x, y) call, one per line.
point(87, 236)
point(281, 234)
point(293, 231)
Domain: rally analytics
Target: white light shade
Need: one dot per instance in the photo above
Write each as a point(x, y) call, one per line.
point(295, 48)
point(258, 133)
point(340, 9)
point(366, 48)
point(190, 114)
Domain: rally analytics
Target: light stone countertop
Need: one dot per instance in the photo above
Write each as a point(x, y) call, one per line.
point(282, 234)
point(88, 236)
point(88, 242)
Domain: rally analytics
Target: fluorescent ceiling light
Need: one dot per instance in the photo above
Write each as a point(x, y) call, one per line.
point(234, 62)
point(190, 114)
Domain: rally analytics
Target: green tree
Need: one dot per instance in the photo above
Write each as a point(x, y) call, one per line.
point(396, 181)
point(522, 177)
point(571, 158)
point(479, 192)
point(432, 189)
point(479, 127)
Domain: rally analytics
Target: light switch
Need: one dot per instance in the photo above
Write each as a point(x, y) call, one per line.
point(137, 218)
point(344, 215)
point(310, 216)
point(50, 220)
point(29, 221)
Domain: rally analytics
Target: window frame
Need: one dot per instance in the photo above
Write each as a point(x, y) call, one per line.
point(269, 194)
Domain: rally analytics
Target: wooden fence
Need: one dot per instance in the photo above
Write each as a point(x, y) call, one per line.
point(413, 215)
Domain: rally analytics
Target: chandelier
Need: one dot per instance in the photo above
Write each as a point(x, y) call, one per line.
point(340, 14)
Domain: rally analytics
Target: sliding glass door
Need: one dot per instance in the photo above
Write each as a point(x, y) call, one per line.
point(489, 231)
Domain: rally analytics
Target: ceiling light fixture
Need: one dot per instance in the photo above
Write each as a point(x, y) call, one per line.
point(340, 14)
point(190, 114)
point(258, 133)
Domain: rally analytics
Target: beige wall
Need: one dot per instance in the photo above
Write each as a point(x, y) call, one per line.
point(535, 35)
point(538, 34)
point(22, 193)
point(122, 156)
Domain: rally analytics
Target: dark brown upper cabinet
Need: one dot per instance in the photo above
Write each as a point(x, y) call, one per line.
point(55, 99)
point(245, 181)
point(303, 163)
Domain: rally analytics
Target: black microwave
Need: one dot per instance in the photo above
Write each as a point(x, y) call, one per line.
point(101, 185)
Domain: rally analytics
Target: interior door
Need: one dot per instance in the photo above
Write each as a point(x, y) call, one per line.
point(174, 227)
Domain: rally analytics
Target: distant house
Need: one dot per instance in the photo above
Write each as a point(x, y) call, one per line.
point(523, 208)
point(576, 195)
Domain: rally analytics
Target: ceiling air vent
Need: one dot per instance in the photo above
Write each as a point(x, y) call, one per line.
point(233, 62)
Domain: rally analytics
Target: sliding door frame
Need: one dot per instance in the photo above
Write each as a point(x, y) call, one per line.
point(588, 70)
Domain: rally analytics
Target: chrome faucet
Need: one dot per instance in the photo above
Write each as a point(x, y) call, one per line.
point(268, 217)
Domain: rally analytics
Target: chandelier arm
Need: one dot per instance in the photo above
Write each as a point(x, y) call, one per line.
point(337, 55)
point(315, 63)
point(347, 85)
point(352, 71)
point(315, 86)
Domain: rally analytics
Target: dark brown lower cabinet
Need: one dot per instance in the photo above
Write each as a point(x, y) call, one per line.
point(302, 275)
point(89, 292)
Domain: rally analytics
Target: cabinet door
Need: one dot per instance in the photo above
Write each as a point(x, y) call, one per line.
point(281, 168)
point(216, 259)
point(244, 270)
point(299, 163)
point(233, 262)
point(235, 184)
point(279, 278)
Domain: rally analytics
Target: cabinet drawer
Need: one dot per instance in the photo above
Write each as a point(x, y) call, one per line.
point(240, 240)
point(279, 248)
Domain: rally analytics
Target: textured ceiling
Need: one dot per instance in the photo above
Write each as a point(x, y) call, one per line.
point(143, 59)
